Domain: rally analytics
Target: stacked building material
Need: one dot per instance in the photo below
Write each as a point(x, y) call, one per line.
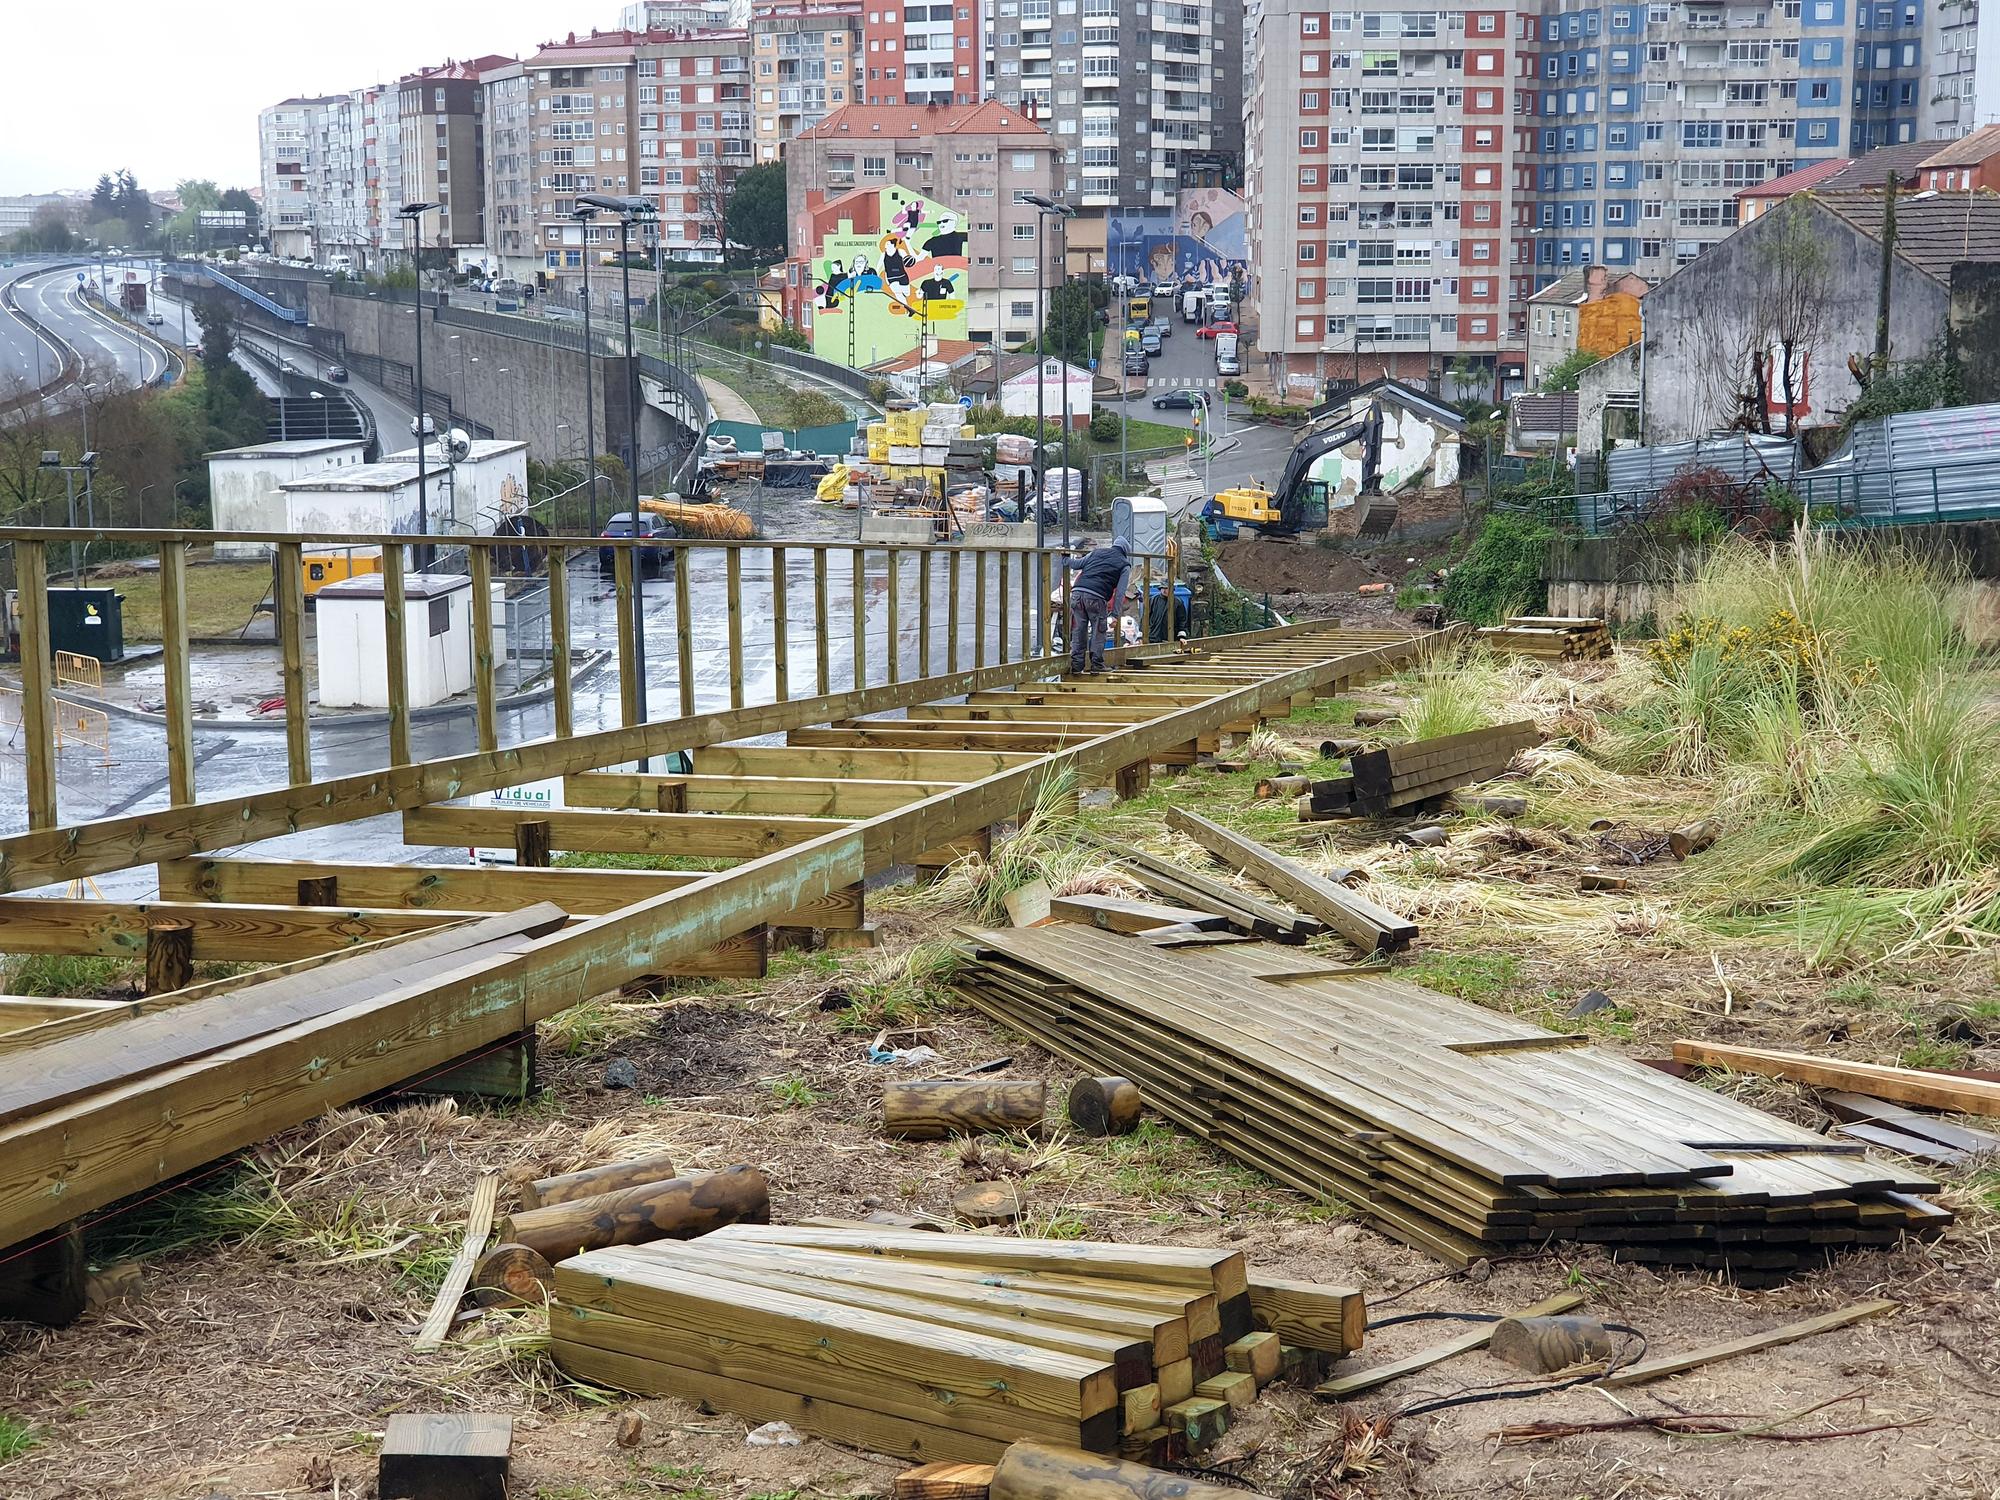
point(1380, 781)
point(1551, 637)
point(1461, 1130)
point(946, 1346)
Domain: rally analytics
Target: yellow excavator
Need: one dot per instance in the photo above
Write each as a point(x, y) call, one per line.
point(716, 521)
point(1284, 510)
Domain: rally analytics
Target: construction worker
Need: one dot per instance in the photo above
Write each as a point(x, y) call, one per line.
point(1097, 590)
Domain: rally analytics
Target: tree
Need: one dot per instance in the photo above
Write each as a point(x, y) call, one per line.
point(1794, 286)
point(49, 231)
point(104, 198)
point(239, 201)
point(756, 214)
point(1563, 374)
point(1070, 324)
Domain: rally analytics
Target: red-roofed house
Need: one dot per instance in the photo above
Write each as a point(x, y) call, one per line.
point(1964, 165)
point(1752, 201)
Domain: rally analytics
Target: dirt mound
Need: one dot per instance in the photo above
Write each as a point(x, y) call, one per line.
point(1260, 565)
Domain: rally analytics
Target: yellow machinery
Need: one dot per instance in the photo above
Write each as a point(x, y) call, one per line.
point(1251, 504)
point(833, 484)
point(322, 568)
point(717, 522)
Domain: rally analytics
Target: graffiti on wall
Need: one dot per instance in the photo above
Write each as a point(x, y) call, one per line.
point(1202, 239)
point(893, 273)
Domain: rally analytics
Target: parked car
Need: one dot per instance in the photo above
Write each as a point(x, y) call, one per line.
point(1149, 341)
point(1137, 364)
point(337, 374)
point(1176, 400)
point(1164, 325)
point(1228, 365)
point(1210, 330)
point(651, 528)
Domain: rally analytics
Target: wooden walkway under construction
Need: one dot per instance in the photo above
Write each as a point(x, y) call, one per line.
point(381, 974)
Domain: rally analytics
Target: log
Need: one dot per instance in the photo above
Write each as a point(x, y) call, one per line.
point(930, 1109)
point(439, 1456)
point(946, 1481)
point(1371, 718)
point(169, 956)
point(1104, 1106)
point(1282, 786)
point(1346, 1387)
point(1692, 838)
point(513, 1273)
point(1431, 837)
point(593, 1181)
point(1545, 1345)
point(679, 1208)
point(1591, 880)
point(987, 1203)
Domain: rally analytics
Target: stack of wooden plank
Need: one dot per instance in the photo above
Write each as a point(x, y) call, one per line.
point(947, 1346)
point(1379, 781)
point(1551, 637)
point(1461, 1130)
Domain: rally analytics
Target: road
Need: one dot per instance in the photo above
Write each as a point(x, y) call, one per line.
point(25, 356)
point(55, 298)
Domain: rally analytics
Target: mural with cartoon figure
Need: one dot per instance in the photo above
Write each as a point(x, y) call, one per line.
point(1203, 240)
point(894, 271)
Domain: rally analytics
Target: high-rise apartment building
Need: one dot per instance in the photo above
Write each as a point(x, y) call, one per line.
point(666, 115)
point(805, 62)
point(683, 15)
point(1145, 96)
point(923, 54)
point(442, 115)
point(331, 172)
point(508, 110)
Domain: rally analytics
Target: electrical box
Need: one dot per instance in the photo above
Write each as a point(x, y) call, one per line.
point(88, 622)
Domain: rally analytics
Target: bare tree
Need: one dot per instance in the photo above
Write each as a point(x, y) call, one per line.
point(1794, 285)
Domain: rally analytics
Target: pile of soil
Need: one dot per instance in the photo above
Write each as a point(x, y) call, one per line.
point(1304, 579)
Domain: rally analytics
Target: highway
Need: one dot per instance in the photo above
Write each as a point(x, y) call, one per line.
point(56, 299)
point(24, 355)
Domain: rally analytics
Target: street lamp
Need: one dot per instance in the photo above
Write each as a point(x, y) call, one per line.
point(583, 214)
point(420, 428)
point(1044, 207)
point(630, 210)
point(86, 465)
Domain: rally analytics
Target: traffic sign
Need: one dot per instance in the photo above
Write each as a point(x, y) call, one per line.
point(966, 402)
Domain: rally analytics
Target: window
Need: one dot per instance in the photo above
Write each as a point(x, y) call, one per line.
point(1308, 253)
point(1308, 25)
point(1308, 140)
point(1022, 264)
point(1021, 309)
point(1023, 161)
point(1308, 101)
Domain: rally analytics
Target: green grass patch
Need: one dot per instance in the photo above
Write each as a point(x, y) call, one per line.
point(1479, 977)
point(895, 990)
point(1328, 713)
point(591, 860)
point(1932, 1053)
point(1140, 433)
point(593, 1027)
point(795, 1093)
point(65, 975)
point(221, 598)
point(16, 1438)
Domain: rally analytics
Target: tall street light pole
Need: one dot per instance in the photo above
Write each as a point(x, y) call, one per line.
point(583, 214)
point(628, 210)
point(410, 213)
point(1044, 207)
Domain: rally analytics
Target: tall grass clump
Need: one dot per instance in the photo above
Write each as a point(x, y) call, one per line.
point(1047, 845)
point(1453, 694)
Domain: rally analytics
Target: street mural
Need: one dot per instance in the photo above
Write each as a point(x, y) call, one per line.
point(1202, 240)
point(894, 272)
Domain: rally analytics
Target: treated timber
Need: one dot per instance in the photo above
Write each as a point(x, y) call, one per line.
point(1328, 1318)
point(465, 888)
point(678, 1208)
point(246, 934)
point(602, 832)
point(1369, 927)
point(1675, 1364)
point(589, 1182)
point(783, 795)
point(1932, 1090)
point(119, 1141)
point(177, 690)
point(959, 766)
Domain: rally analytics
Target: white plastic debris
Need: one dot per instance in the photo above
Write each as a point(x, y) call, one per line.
point(775, 1435)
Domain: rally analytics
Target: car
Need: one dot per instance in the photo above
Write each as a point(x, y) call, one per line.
point(1164, 325)
point(1210, 330)
point(1149, 342)
point(1176, 400)
point(1137, 364)
point(1227, 365)
point(155, 318)
point(337, 374)
point(651, 528)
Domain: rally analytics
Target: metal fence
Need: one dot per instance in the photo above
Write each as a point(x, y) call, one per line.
point(1745, 456)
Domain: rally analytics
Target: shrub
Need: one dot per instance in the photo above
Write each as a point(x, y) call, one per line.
point(1106, 425)
point(1502, 574)
point(1235, 390)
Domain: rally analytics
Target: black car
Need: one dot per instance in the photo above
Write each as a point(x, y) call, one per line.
point(651, 528)
point(1179, 400)
point(1137, 364)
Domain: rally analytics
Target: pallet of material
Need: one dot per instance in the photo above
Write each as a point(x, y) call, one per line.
point(1379, 781)
point(1460, 1130)
point(1552, 637)
point(939, 1346)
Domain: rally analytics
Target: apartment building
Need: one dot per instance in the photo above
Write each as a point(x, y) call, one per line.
point(1390, 190)
point(923, 54)
point(683, 15)
point(508, 110)
point(1145, 96)
point(665, 115)
point(442, 114)
point(869, 172)
point(330, 168)
point(804, 63)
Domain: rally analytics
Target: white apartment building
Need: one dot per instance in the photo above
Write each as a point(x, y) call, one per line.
point(331, 173)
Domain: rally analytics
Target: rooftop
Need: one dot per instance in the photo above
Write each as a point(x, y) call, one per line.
point(1810, 175)
point(480, 448)
point(869, 121)
point(1553, 411)
point(1967, 151)
point(288, 448)
point(382, 476)
point(1871, 172)
point(1934, 231)
point(942, 355)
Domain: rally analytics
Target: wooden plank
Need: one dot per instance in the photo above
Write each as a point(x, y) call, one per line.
point(978, 609)
point(600, 832)
point(178, 691)
point(1000, 614)
point(467, 888)
point(923, 614)
point(895, 734)
point(20, 1011)
point(895, 626)
point(1369, 927)
point(859, 570)
point(478, 1225)
point(1115, 915)
point(38, 729)
point(733, 609)
point(913, 764)
point(952, 579)
point(482, 648)
point(1889, 1138)
point(750, 794)
point(1345, 1387)
point(289, 599)
point(822, 624)
point(1306, 1313)
point(1846, 1106)
point(781, 642)
point(35, 1081)
point(1675, 1364)
point(559, 642)
point(246, 934)
point(1968, 1096)
point(396, 657)
point(624, 565)
point(684, 631)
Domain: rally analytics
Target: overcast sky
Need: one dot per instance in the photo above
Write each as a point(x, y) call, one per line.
point(173, 91)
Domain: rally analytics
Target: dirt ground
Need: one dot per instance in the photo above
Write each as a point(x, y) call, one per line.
point(1306, 580)
point(263, 1335)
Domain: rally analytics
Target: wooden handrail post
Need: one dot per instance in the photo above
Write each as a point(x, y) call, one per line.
point(684, 631)
point(623, 562)
point(895, 619)
point(822, 625)
point(978, 609)
point(483, 712)
point(291, 605)
point(179, 689)
point(924, 613)
point(396, 653)
point(559, 666)
point(860, 561)
point(951, 613)
point(38, 729)
point(781, 645)
point(733, 609)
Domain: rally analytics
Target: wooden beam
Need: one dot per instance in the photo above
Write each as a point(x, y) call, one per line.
point(707, 835)
point(179, 693)
point(796, 797)
point(1675, 1364)
point(952, 578)
point(781, 644)
point(732, 604)
point(559, 664)
point(891, 734)
point(38, 729)
point(859, 560)
point(238, 934)
point(466, 888)
point(482, 648)
point(822, 624)
point(624, 567)
point(923, 614)
point(18, 1012)
point(289, 597)
point(1932, 1090)
point(396, 653)
point(894, 628)
point(684, 630)
point(867, 765)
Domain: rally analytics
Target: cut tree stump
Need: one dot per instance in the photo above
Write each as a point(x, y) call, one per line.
point(513, 1273)
point(679, 1208)
point(930, 1109)
point(1544, 1345)
point(988, 1203)
point(1104, 1106)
